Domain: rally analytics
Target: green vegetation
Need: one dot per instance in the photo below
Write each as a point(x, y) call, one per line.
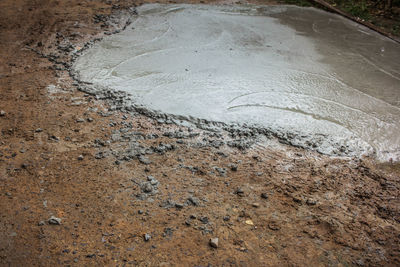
point(357, 9)
point(382, 13)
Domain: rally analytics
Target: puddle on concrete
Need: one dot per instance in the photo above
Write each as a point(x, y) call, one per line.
point(293, 70)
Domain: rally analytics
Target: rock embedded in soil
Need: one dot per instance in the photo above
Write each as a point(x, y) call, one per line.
point(2, 113)
point(54, 220)
point(144, 160)
point(214, 242)
point(147, 237)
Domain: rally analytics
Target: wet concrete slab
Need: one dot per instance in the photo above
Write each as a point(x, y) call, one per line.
point(299, 72)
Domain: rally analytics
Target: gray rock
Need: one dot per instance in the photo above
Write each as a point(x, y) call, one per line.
point(239, 191)
point(2, 113)
point(214, 242)
point(144, 160)
point(179, 205)
point(80, 157)
point(233, 167)
point(193, 201)
point(41, 223)
point(54, 220)
point(80, 120)
point(147, 188)
point(153, 181)
point(147, 237)
point(100, 155)
point(221, 171)
point(264, 195)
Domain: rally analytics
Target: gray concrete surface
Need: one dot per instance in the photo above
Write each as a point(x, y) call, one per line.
point(299, 71)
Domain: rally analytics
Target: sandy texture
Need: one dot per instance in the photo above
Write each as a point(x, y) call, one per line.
point(71, 155)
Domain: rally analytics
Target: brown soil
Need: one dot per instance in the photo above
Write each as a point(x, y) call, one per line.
point(319, 211)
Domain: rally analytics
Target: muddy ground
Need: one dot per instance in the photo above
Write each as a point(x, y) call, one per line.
point(130, 189)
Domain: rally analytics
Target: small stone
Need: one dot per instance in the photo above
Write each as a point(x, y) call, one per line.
point(249, 222)
point(41, 223)
point(227, 218)
point(38, 130)
point(264, 195)
point(274, 226)
point(2, 113)
point(179, 205)
point(233, 167)
point(80, 157)
point(54, 220)
point(152, 180)
point(255, 205)
point(140, 211)
point(89, 119)
point(311, 202)
point(194, 201)
point(239, 192)
point(147, 188)
point(147, 237)
point(204, 219)
point(144, 160)
point(80, 120)
point(214, 242)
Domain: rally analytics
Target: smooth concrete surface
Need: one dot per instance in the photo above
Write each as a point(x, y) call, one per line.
point(296, 70)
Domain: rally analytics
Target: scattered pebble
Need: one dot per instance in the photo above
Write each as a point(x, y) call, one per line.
point(54, 220)
point(80, 157)
point(144, 160)
point(311, 202)
point(233, 167)
point(214, 242)
point(147, 237)
point(179, 205)
point(147, 188)
point(249, 222)
point(239, 191)
point(2, 113)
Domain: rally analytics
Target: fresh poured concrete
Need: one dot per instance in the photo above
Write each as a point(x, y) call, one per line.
point(299, 72)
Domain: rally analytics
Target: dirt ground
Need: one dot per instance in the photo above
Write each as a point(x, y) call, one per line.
point(132, 190)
